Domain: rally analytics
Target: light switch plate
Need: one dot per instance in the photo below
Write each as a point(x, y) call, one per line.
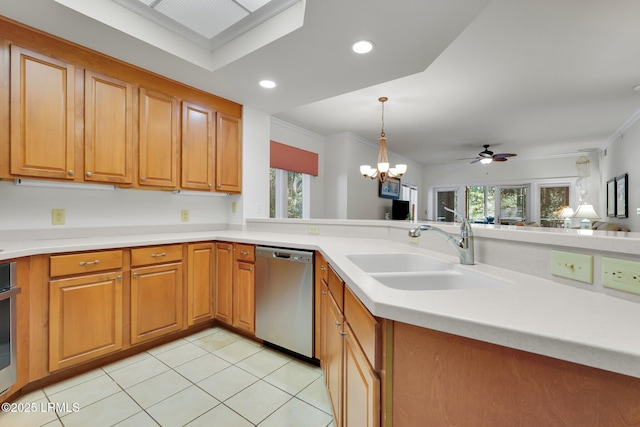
point(572, 266)
point(621, 274)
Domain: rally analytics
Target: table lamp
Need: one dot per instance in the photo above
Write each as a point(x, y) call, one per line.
point(587, 213)
point(567, 213)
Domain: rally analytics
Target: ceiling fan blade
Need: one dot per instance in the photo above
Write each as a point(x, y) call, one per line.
point(503, 155)
point(500, 159)
point(476, 160)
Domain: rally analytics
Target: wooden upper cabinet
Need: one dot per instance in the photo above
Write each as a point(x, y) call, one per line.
point(42, 115)
point(108, 129)
point(197, 147)
point(158, 139)
point(229, 154)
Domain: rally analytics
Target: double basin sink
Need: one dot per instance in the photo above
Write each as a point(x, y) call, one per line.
point(415, 272)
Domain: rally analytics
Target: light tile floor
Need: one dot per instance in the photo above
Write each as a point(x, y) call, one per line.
point(211, 378)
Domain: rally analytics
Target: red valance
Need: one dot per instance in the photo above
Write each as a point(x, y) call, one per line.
point(293, 159)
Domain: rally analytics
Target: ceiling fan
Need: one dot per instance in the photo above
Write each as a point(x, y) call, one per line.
point(486, 156)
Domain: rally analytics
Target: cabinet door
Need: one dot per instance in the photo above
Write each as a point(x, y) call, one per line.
point(197, 147)
point(158, 140)
point(320, 274)
point(42, 116)
point(85, 318)
point(108, 129)
point(228, 154)
point(224, 283)
point(244, 306)
point(156, 301)
point(200, 281)
point(333, 356)
point(361, 404)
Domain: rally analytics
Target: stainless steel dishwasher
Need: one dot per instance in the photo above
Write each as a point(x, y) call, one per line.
point(284, 298)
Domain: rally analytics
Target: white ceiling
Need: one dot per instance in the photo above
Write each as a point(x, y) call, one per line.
point(535, 77)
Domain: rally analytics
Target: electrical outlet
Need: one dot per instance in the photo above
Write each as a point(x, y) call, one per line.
point(57, 216)
point(414, 240)
point(621, 274)
point(313, 229)
point(572, 266)
point(637, 211)
point(234, 206)
point(184, 215)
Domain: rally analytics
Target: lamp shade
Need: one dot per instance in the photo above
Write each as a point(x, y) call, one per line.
point(587, 212)
point(567, 212)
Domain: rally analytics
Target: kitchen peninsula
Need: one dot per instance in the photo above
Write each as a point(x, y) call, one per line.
point(531, 325)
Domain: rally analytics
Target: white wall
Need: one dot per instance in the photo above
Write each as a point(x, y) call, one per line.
point(298, 137)
point(622, 157)
point(30, 207)
point(254, 200)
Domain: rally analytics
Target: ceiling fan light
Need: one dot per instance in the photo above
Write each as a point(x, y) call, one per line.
point(486, 160)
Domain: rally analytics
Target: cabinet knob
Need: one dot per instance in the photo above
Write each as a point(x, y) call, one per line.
point(342, 333)
point(119, 277)
point(324, 292)
point(338, 324)
point(89, 174)
point(322, 268)
point(219, 185)
point(229, 249)
point(70, 172)
point(210, 185)
point(143, 178)
point(250, 268)
point(135, 274)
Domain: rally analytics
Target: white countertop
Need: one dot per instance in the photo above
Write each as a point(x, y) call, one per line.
point(531, 314)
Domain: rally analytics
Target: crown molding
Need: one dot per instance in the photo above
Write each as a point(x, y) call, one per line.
point(622, 129)
point(296, 128)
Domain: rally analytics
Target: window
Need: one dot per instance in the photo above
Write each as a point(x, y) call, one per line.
point(410, 193)
point(288, 195)
point(481, 204)
point(552, 200)
point(513, 204)
point(449, 199)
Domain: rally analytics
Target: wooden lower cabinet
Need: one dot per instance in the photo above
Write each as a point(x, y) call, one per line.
point(333, 356)
point(244, 307)
point(200, 282)
point(361, 403)
point(224, 283)
point(85, 318)
point(156, 301)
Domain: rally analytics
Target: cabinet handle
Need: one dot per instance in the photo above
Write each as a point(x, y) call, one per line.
point(338, 324)
point(143, 178)
point(89, 174)
point(158, 255)
point(135, 274)
point(70, 172)
point(83, 263)
point(244, 253)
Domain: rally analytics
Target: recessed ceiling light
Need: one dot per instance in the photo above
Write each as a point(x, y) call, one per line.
point(363, 46)
point(268, 84)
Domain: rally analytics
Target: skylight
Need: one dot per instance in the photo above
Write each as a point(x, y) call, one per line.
point(209, 23)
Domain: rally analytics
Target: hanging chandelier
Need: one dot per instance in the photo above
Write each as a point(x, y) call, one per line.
point(383, 171)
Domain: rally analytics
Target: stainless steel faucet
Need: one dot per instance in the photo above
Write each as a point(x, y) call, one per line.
point(463, 247)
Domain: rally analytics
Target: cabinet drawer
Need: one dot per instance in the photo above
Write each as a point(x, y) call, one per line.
point(245, 252)
point(365, 327)
point(156, 255)
point(336, 287)
point(87, 262)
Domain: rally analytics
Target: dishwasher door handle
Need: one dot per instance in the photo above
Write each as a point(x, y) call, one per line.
point(281, 255)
